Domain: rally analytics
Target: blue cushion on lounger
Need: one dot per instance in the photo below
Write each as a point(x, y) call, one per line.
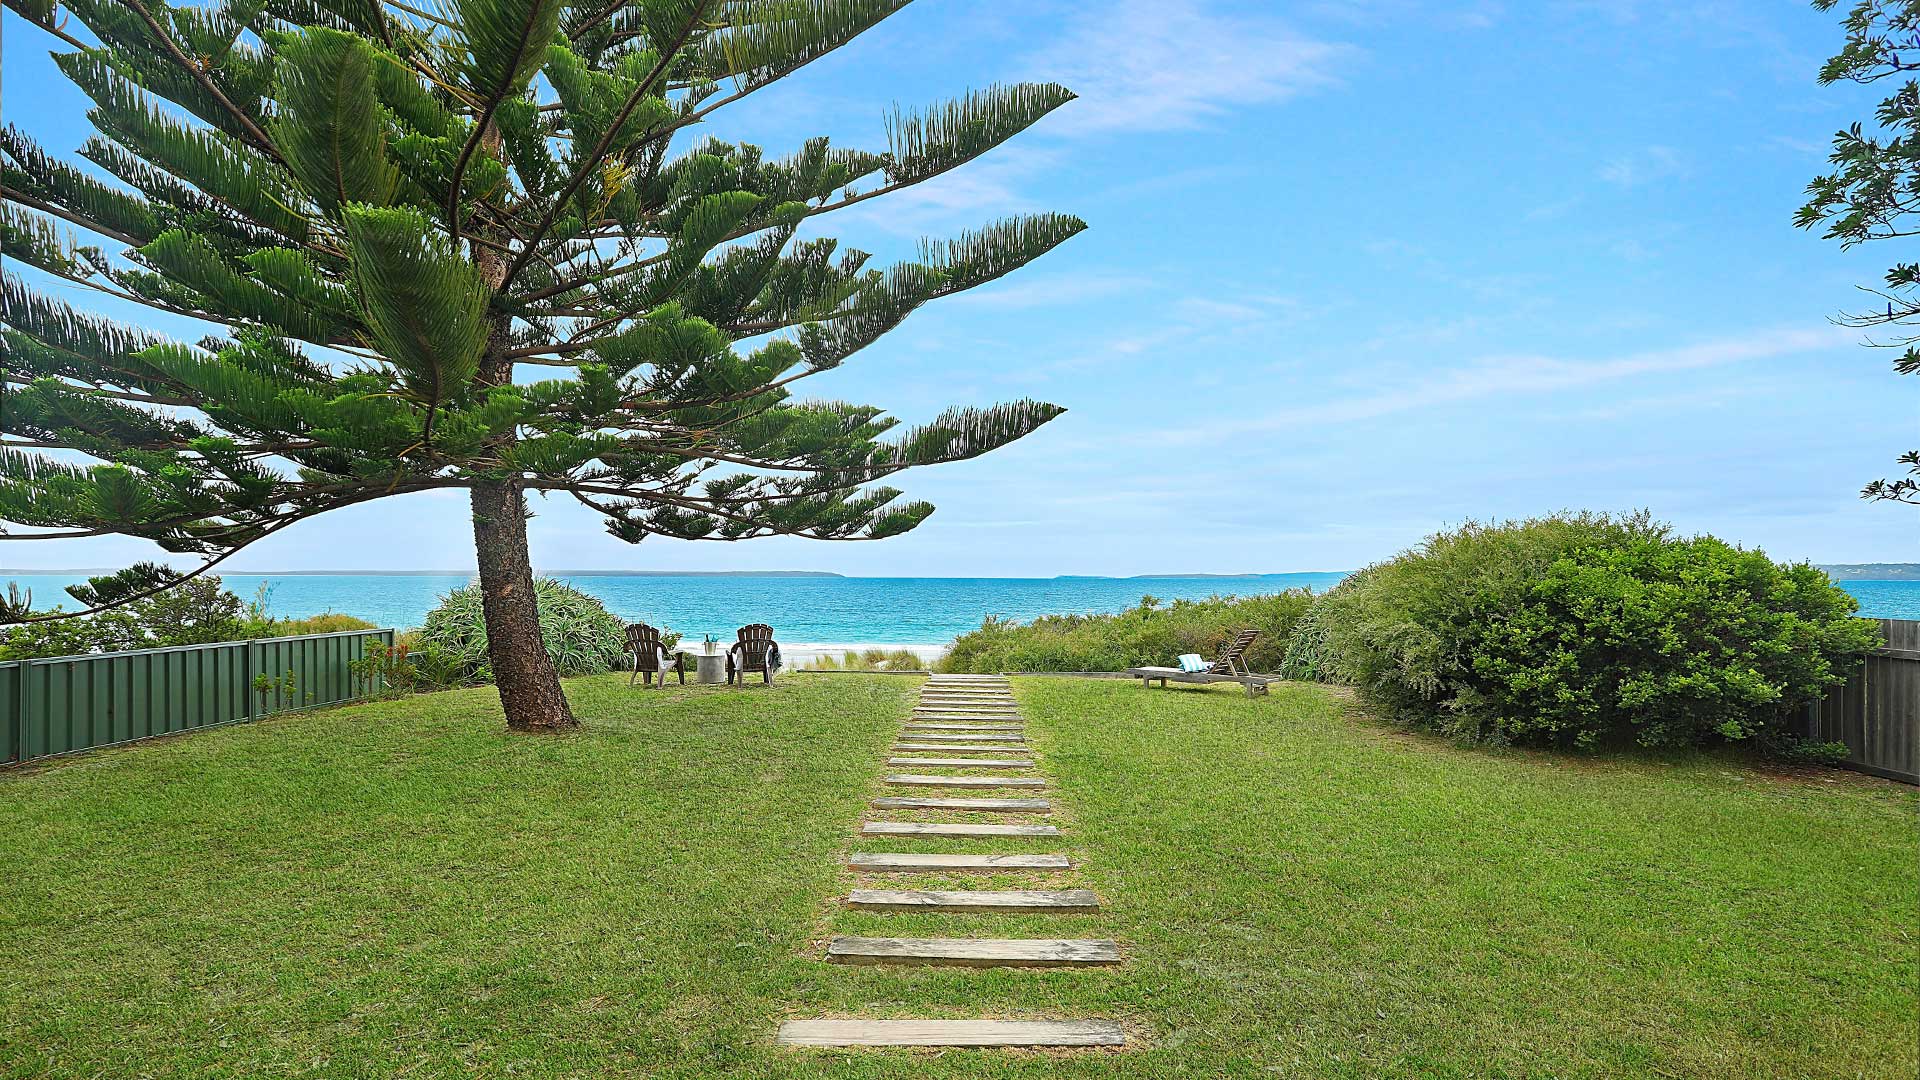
point(1193, 663)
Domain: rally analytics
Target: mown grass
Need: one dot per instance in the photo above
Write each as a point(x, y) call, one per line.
point(402, 889)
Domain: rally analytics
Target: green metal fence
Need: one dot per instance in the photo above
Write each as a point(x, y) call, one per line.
point(67, 703)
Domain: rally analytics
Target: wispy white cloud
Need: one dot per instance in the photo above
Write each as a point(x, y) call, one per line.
point(1445, 14)
point(1137, 66)
point(1054, 291)
point(1142, 65)
point(1190, 324)
point(1483, 15)
point(964, 198)
point(1499, 376)
point(1555, 210)
point(1645, 166)
point(1798, 146)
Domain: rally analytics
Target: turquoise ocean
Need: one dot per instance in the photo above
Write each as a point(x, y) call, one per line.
point(820, 609)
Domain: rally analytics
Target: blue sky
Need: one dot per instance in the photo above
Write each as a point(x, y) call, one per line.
point(1356, 271)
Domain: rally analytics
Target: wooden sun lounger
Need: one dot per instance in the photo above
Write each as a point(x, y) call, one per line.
point(1230, 667)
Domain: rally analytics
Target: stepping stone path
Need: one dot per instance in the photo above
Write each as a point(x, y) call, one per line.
point(964, 715)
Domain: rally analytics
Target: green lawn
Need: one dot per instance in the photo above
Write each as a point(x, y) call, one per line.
point(403, 889)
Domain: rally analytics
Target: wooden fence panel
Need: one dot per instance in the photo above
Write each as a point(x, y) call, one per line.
point(68, 703)
point(1877, 712)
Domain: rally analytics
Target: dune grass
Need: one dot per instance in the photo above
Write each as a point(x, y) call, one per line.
point(403, 889)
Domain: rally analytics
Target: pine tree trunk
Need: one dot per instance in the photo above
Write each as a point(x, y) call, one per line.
point(529, 685)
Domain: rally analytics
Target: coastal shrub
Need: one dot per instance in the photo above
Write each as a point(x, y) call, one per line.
point(406, 667)
point(1306, 656)
point(1588, 630)
point(195, 612)
point(434, 668)
point(849, 661)
point(581, 635)
point(866, 660)
point(327, 622)
point(199, 611)
point(1148, 633)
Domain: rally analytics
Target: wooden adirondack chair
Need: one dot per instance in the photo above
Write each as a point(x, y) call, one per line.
point(650, 657)
point(753, 652)
point(1231, 666)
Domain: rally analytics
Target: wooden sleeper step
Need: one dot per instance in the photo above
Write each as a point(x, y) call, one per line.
point(919, 780)
point(957, 748)
point(966, 692)
point(918, 862)
point(965, 737)
point(942, 695)
point(1011, 1033)
point(974, 952)
point(954, 828)
point(960, 763)
point(1059, 901)
point(951, 726)
point(1001, 806)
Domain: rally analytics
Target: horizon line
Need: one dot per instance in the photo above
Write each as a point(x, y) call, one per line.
point(72, 571)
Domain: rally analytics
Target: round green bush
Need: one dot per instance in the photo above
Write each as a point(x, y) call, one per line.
point(1589, 630)
point(581, 635)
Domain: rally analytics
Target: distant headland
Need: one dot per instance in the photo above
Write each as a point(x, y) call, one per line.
point(1873, 571)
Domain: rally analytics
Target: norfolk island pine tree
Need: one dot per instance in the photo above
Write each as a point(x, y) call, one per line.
point(382, 213)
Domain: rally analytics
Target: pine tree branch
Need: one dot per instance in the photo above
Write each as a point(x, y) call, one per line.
point(49, 27)
point(102, 389)
point(193, 70)
point(419, 13)
point(481, 125)
point(15, 195)
point(164, 445)
point(119, 293)
point(599, 151)
point(760, 528)
point(738, 234)
point(162, 587)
